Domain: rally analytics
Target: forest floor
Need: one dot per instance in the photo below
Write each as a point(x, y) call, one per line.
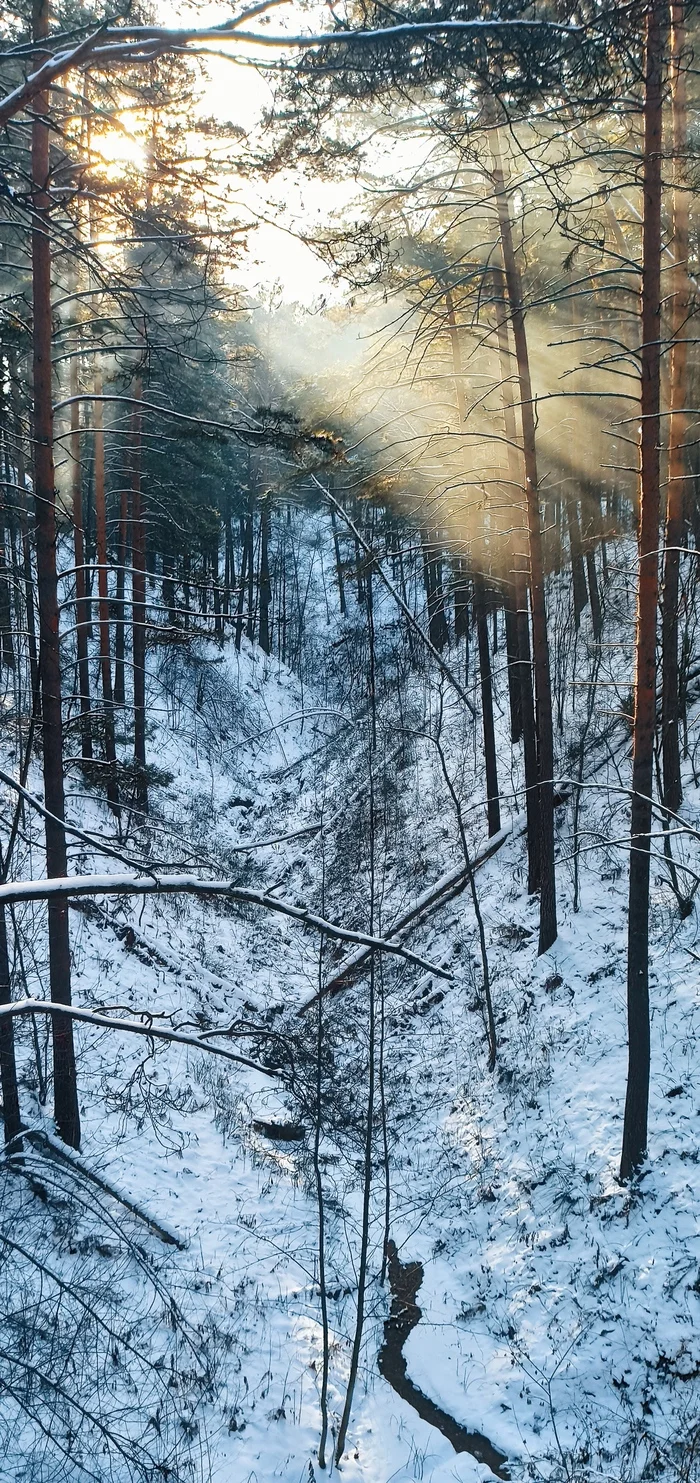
point(560, 1311)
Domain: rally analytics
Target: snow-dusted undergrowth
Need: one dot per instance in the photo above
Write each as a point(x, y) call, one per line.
point(559, 1310)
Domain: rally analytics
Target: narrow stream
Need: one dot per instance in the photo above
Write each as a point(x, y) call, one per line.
point(405, 1279)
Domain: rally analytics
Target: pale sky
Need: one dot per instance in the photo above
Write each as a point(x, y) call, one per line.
point(240, 94)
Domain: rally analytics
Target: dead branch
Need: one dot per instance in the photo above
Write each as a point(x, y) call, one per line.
point(144, 1026)
point(162, 885)
point(42, 1139)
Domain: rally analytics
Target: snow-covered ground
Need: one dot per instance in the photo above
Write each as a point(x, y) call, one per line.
point(560, 1311)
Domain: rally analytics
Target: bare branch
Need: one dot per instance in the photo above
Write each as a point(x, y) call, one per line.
point(144, 1026)
point(39, 81)
point(137, 44)
point(162, 885)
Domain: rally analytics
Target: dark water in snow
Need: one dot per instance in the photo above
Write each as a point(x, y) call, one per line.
point(405, 1279)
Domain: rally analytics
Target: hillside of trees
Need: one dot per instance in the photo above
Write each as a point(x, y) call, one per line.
point(349, 742)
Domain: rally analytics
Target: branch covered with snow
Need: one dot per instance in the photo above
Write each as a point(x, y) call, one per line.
point(161, 885)
point(144, 1026)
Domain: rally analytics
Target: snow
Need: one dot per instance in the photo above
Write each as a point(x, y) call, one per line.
point(560, 1311)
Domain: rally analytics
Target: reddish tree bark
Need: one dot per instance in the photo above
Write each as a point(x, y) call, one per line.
point(671, 756)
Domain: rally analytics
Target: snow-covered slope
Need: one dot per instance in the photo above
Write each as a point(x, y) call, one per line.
point(559, 1310)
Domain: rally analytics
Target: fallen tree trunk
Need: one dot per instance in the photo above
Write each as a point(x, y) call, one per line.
point(443, 890)
point(41, 1139)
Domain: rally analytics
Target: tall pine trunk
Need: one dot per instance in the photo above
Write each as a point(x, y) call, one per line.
point(671, 757)
point(634, 1137)
point(540, 642)
point(65, 1084)
point(520, 574)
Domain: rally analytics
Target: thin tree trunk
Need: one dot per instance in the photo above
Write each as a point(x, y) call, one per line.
point(520, 575)
point(264, 578)
point(251, 570)
point(229, 563)
point(103, 597)
point(488, 999)
point(461, 599)
point(670, 743)
point(540, 642)
point(120, 599)
point(216, 589)
point(138, 607)
point(457, 368)
point(65, 1084)
point(246, 542)
point(578, 575)
point(367, 1173)
point(634, 1137)
point(492, 802)
point(82, 618)
point(338, 565)
point(325, 1359)
point(358, 570)
point(186, 595)
point(250, 531)
point(282, 630)
point(510, 614)
point(593, 588)
point(438, 632)
point(28, 574)
point(168, 589)
point(12, 1122)
point(8, 648)
point(506, 542)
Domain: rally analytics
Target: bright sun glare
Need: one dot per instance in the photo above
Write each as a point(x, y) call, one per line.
point(119, 147)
